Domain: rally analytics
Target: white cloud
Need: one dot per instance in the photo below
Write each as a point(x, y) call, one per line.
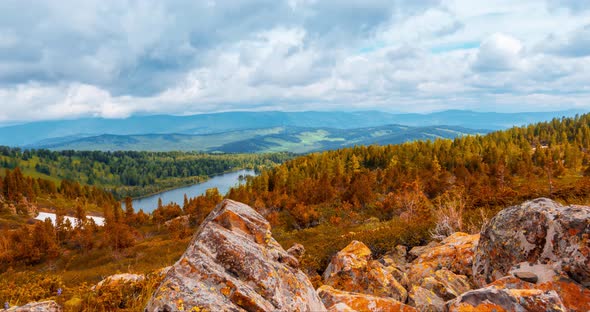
point(499, 52)
point(114, 59)
point(573, 44)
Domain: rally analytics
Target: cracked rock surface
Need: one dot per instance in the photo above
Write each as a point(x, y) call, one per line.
point(234, 264)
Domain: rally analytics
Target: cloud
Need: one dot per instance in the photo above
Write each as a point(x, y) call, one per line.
point(499, 52)
point(574, 6)
point(118, 58)
point(574, 44)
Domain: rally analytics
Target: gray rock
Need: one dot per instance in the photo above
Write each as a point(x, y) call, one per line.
point(494, 299)
point(426, 300)
point(43, 306)
point(297, 251)
point(527, 276)
point(540, 231)
point(234, 264)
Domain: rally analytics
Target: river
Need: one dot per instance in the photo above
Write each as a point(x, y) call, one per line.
point(222, 182)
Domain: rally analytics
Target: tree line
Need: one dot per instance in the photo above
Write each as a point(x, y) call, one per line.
point(131, 173)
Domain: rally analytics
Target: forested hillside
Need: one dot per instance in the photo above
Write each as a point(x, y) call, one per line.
point(385, 195)
point(131, 173)
point(22, 196)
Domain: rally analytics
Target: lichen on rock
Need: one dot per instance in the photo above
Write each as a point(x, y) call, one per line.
point(234, 264)
point(352, 270)
point(341, 301)
point(539, 231)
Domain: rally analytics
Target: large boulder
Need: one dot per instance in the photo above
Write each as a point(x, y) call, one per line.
point(43, 306)
point(234, 264)
point(342, 301)
point(352, 270)
point(540, 231)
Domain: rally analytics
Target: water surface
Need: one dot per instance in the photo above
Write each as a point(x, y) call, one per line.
point(222, 182)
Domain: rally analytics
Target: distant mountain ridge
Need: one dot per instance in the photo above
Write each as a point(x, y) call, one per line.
point(36, 133)
point(277, 139)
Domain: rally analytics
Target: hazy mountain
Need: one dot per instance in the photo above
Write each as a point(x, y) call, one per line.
point(33, 133)
point(293, 139)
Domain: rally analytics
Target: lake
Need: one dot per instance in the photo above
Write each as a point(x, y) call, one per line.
point(222, 182)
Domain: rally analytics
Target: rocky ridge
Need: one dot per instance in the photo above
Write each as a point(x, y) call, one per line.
point(529, 257)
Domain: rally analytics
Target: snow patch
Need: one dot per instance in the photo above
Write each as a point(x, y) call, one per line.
point(44, 215)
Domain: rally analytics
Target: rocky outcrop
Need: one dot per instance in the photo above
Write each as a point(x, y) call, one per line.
point(455, 254)
point(432, 279)
point(352, 270)
point(342, 301)
point(43, 306)
point(234, 264)
point(494, 299)
point(532, 257)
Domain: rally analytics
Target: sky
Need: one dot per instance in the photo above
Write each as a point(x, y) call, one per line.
point(112, 59)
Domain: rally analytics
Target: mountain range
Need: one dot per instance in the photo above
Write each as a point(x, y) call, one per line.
point(259, 131)
point(276, 139)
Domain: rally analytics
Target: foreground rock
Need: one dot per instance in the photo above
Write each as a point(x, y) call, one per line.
point(446, 284)
point(44, 306)
point(352, 270)
point(574, 296)
point(426, 300)
point(540, 231)
point(494, 299)
point(342, 301)
point(455, 254)
point(234, 264)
